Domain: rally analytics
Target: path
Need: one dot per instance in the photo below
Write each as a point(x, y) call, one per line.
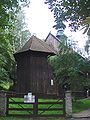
point(85, 115)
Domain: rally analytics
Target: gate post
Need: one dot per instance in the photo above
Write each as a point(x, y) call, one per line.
point(35, 106)
point(68, 104)
point(3, 103)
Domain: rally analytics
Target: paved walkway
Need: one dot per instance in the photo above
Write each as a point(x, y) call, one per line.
point(78, 119)
point(85, 115)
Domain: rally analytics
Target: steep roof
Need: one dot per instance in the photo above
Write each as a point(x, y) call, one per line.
point(52, 36)
point(36, 44)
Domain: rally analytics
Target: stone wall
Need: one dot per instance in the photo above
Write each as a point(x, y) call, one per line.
point(3, 103)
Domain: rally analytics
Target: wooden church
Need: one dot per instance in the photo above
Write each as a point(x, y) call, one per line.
point(34, 72)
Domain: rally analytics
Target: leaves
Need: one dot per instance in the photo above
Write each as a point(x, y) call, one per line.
point(8, 15)
point(20, 31)
point(70, 68)
point(74, 11)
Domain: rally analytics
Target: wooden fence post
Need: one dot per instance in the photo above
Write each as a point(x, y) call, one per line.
point(64, 111)
point(35, 106)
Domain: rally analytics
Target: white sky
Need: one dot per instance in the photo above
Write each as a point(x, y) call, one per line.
point(40, 19)
point(40, 22)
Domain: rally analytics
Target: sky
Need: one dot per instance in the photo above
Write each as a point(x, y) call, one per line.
point(40, 22)
point(40, 19)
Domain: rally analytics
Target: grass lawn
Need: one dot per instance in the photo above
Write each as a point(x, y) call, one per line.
point(81, 105)
point(31, 106)
point(16, 118)
point(78, 106)
point(40, 106)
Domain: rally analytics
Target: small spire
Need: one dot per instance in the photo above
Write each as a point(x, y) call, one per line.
point(59, 33)
point(34, 34)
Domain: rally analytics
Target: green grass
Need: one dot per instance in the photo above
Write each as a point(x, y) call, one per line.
point(78, 106)
point(16, 118)
point(81, 105)
point(39, 106)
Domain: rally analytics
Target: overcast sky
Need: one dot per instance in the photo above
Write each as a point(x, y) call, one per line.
point(40, 21)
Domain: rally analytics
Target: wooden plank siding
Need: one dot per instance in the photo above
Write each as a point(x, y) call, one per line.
point(34, 73)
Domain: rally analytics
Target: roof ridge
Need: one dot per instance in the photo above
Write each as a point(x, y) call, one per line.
point(36, 44)
point(31, 41)
point(47, 46)
point(53, 36)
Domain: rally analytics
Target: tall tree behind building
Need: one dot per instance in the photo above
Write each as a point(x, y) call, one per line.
point(21, 32)
point(8, 15)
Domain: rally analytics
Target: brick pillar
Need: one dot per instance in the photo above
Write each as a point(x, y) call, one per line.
point(3, 103)
point(68, 103)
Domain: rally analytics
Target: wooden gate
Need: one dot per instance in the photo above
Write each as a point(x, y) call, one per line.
point(44, 106)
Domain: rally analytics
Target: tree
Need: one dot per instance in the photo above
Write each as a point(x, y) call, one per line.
point(87, 46)
point(20, 31)
point(6, 61)
point(72, 11)
point(8, 13)
point(70, 68)
point(68, 65)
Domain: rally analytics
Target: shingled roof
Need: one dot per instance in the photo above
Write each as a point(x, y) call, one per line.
point(36, 44)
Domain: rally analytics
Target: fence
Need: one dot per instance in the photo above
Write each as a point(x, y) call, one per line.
point(44, 106)
point(51, 105)
point(79, 94)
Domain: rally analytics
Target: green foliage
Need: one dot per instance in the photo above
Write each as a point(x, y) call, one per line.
point(75, 12)
point(14, 118)
point(7, 62)
point(81, 105)
point(20, 31)
point(17, 118)
point(87, 29)
point(8, 16)
point(86, 24)
point(87, 45)
point(70, 68)
point(72, 11)
point(6, 84)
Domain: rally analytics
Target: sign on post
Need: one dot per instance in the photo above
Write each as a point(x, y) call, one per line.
point(29, 98)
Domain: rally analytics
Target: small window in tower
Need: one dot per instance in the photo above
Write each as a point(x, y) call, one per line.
point(52, 83)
